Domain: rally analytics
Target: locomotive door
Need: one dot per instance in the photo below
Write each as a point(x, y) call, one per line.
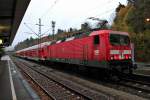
point(96, 42)
point(85, 52)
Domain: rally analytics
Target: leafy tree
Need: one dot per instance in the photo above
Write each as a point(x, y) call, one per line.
point(137, 16)
point(59, 31)
point(70, 30)
point(132, 19)
point(85, 26)
point(119, 7)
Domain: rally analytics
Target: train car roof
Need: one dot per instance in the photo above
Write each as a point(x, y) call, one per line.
point(107, 31)
point(35, 46)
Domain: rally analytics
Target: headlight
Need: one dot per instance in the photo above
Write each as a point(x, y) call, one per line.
point(112, 58)
point(129, 57)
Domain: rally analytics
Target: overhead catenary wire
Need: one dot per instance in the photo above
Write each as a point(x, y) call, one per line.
point(56, 1)
point(29, 23)
point(104, 13)
point(105, 6)
point(49, 9)
point(30, 29)
point(46, 31)
point(100, 14)
point(34, 31)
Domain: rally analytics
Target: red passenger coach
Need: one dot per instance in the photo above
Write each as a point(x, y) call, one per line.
point(105, 49)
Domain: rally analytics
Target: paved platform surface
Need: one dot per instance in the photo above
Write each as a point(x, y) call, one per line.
point(5, 87)
point(12, 84)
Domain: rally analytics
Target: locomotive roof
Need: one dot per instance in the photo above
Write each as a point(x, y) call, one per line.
point(107, 31)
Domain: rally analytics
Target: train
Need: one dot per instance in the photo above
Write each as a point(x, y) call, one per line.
point(101, 49)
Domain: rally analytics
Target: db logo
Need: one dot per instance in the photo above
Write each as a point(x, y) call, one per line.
point(121, 52)
point(96, 52)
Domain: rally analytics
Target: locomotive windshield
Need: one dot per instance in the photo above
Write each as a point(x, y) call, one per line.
point(118, 39)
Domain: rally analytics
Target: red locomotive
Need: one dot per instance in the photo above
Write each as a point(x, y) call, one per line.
point(105, 49)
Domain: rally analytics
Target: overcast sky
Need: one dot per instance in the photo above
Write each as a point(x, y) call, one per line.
point(66, 13)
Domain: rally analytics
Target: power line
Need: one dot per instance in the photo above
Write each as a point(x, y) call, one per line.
point(108, 4)
point(39, 34)
point(30, 29)
point(29, 23)
point(56, 1)
point(52, 6)
point(104, 13)
point(46, 31)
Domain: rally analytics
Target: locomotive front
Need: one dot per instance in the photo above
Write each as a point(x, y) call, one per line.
point(120, 52)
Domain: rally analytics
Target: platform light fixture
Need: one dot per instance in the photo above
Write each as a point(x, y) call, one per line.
point(147, 19)
point(1, 41)
point(2, 27)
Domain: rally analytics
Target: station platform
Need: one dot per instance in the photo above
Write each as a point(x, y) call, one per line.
point(12, 85)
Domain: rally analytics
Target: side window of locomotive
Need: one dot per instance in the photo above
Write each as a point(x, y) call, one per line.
point(96, 39)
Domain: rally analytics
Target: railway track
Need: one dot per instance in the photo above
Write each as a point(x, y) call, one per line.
point(138, 82)
point(137, 85)
point(130, 86)
point(141, 78)
point(58, 89)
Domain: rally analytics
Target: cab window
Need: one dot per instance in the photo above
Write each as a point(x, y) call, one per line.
point(118, 39)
